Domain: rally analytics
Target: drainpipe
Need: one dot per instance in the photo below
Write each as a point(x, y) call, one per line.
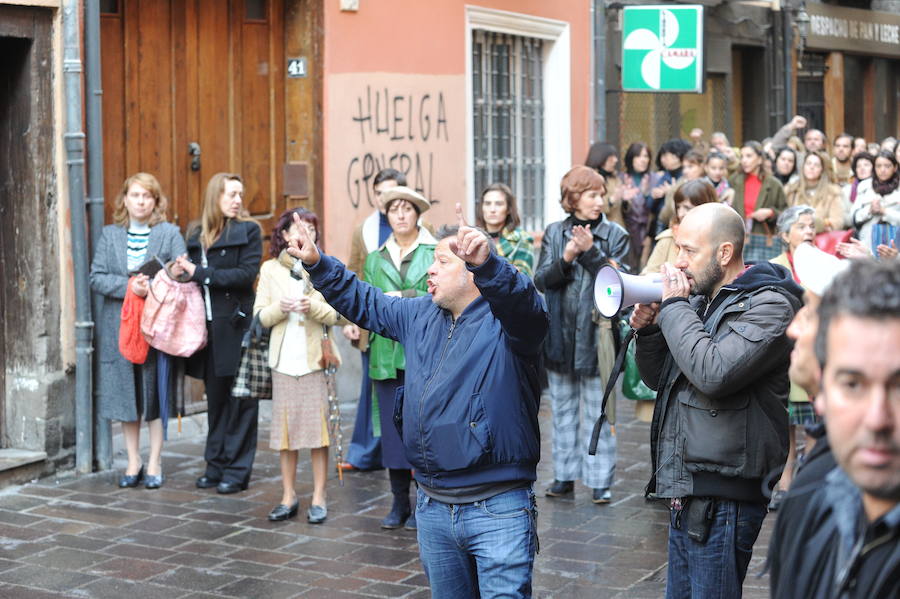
point(788, 41)
point(84, 326)
point(94, 112)
point(599, 59)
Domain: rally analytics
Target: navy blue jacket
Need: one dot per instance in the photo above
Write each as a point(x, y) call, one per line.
point(468, 413)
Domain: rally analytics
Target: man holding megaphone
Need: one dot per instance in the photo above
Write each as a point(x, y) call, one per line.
point(716, 353)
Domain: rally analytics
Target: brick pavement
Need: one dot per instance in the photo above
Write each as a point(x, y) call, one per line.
point(84, 538)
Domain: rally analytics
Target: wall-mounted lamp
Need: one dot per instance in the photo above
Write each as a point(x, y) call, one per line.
point(801, 22)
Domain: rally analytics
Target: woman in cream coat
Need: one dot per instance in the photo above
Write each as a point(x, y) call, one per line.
point(298, 316)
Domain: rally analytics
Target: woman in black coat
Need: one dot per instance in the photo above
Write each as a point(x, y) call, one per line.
point(224, 252)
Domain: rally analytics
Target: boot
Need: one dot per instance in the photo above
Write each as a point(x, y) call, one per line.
point(400, 509)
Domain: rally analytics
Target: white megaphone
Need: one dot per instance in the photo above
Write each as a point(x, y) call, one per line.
point(614, 290)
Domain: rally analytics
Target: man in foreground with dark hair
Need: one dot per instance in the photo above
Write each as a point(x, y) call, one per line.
point(718, 361)
point(840, 536)
point(468, 411)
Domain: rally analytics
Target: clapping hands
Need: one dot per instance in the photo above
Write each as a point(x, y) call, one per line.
point(582, 240)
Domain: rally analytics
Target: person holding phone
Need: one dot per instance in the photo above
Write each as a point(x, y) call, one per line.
point(128, 392)
point(223, 255)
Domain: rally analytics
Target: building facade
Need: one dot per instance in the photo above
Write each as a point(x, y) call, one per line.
point(306, 99)
point(762, 67)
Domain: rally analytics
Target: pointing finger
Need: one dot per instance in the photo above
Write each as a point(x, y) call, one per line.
point(460, 217)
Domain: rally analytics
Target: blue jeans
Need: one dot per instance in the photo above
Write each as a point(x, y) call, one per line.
point(715, 569)
point(483, 549)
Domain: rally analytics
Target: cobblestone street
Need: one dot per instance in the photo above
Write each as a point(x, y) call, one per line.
point(83, 537)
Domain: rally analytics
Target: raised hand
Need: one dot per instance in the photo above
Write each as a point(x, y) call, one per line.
point(300, 245)
point(471, 245)
point(798, 122)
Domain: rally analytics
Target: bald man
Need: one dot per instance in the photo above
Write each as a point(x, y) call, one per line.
point(716, 352)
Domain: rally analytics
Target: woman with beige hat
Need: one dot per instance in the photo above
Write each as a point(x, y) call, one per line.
point(399, 268)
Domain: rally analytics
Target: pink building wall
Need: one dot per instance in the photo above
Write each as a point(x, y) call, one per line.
point(395, 95)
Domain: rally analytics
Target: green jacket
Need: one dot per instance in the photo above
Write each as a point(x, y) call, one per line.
point(771, 195)
point(517, 247)
point(386, 357)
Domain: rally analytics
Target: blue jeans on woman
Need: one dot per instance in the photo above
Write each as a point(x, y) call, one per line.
point(714, 569)
point(483, 549)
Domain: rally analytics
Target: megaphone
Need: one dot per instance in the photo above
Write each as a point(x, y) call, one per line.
point(614, 290)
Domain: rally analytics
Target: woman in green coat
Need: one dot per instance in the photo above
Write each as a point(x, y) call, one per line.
point(399, 268)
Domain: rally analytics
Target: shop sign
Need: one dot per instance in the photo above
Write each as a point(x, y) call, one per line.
point(662, 49)
point(853, 30)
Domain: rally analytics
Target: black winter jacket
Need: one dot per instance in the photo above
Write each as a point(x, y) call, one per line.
point(232, 267)
point(720, 372)
point(823, 547)
point(571, 344)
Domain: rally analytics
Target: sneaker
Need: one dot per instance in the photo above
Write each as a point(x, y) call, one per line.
point(602, 496)
point(560, 488)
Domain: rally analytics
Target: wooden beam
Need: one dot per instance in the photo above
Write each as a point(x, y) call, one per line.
point(834, 94)
point(868, 100)
point(737, 95)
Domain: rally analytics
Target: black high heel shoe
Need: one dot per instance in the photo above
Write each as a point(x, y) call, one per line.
point(152, 481)
point(282, 512)
point(131, 480)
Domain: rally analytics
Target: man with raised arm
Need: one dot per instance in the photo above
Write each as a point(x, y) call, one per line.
point(468, 413)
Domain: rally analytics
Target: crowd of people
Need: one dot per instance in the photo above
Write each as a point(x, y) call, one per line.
point(461, 327)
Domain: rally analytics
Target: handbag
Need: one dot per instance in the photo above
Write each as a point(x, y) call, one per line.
point(759, 247)
point(633, 386)
point(174, 316)
point(882, 234)
point(254, 377)
point(132, 344)
point(829, 240)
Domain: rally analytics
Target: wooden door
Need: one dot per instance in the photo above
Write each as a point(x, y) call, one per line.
point(204, 72)
point(30, 216)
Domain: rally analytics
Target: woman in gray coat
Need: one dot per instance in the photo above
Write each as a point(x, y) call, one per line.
point(128, 392)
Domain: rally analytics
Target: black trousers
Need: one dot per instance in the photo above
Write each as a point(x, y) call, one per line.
point(231, 441)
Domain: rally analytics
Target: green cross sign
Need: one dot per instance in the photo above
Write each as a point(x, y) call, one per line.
point(662, 49)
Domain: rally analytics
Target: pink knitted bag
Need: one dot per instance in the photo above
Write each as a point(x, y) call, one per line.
point(174, 318)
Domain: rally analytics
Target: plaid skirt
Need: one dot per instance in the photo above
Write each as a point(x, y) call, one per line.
point(299, 411)
point(802, 413)
point(757, 249)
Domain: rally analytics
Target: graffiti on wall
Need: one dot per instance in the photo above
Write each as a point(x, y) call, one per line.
point(405, 131)
point(415, 123)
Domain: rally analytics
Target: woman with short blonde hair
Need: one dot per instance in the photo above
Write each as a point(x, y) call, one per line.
point(128, 392)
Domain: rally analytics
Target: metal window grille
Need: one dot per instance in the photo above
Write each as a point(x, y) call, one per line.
point(507, 88)
point(655, 118)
